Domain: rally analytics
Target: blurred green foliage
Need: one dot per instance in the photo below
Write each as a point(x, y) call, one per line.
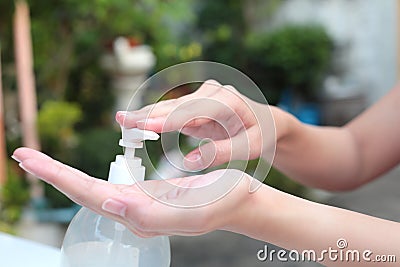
point(70, 36)
point(75, 95)
point(55, 122)
point(97, 148)
point(93, 152)
point(293, 57)
point(222, 27)
point(14, 195)
point(56, 125)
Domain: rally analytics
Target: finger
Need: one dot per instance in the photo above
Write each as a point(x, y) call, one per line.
point(208, 88)
point(172, 218)
point(83, 189)
point(78, 186)
point(163, 108)
point(168, 124)
point(128, 119)
point(23, 153)
point(218, 152)
point(211, 154)
point(151, 215)
point(191, 113)
point(210, 130)
point(224, 106)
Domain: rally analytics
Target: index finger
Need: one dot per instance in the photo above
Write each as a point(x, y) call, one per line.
point(78, 186)
point(129, 119)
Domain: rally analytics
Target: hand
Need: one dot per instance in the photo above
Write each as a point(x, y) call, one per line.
point(238, 128)
point(142, 214)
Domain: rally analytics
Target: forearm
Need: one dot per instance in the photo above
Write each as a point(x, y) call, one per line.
point(294, 223)
point(339, 158)
point(323, 157)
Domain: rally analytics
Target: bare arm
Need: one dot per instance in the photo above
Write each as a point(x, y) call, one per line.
point(295, 223)
point(333, 158)
point(267, 214)
point(338, 158)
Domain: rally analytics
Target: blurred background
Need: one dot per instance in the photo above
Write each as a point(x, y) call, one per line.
point(67, 66)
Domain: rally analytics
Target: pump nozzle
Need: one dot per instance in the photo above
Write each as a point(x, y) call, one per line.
point(120, 171)
point(133, 137)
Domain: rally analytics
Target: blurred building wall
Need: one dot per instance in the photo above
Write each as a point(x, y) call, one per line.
point(365, 32)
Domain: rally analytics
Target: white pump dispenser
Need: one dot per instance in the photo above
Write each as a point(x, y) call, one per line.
point(96, 241)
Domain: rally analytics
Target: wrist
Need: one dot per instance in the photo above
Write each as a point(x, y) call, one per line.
point(284, 123)
point(287, 129)
point(270, 215)
point(241, 203)
point(256, 208)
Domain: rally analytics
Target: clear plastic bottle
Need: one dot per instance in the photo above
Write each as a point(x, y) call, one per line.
point(96, 241)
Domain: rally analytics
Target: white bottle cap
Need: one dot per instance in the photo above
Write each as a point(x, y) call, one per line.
point(127, 169)
point(135, 135)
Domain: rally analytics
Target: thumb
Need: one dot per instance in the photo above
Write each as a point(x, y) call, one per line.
point(214, 153)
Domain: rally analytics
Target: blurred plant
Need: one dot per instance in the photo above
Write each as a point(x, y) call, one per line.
point(72, 34)
point(295, 57)
point(69, 37)
point(222, 27)
point(97, 148)
point(171, 54)
point(56, 120)
point(14, 194)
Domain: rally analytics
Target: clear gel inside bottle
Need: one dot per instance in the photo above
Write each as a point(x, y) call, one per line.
point(96, 241)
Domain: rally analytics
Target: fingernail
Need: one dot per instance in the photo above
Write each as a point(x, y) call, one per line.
point(22, 166)
point(15, 158)
point(120, 115)
point(115, 207)
point(193, 156)
point(194, 161)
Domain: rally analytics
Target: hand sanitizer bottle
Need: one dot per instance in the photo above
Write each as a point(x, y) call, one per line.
point(96, 241)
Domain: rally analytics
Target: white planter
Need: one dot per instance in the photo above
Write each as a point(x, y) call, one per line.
point(129, 67)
